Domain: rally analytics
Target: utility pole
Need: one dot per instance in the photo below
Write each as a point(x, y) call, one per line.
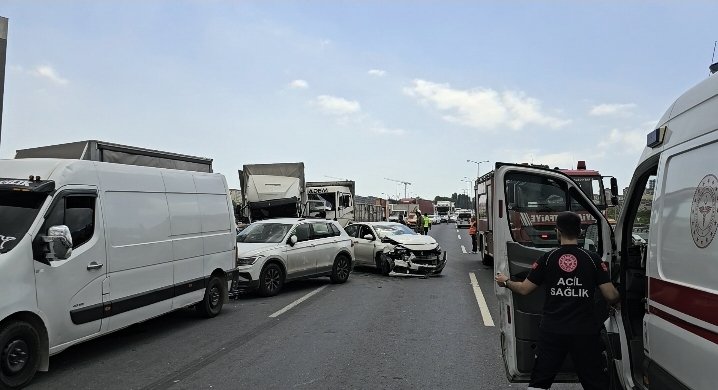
point(3, 56)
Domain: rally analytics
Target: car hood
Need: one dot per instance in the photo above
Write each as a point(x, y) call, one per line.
point(413, 241)
point(253, 249)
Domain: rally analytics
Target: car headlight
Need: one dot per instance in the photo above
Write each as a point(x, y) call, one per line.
point(249, 260)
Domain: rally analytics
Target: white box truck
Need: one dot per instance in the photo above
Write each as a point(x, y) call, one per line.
point(272, 191)
point(89, 247)
point(332, 200)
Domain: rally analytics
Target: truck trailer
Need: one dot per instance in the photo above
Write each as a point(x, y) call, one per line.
point(272, 191)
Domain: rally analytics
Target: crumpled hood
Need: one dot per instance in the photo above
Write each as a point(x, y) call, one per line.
point(414, 241)
point(253, 249)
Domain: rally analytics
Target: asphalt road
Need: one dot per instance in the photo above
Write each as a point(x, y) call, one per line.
point(373, 332)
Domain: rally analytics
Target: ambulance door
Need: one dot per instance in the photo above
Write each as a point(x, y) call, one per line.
point(526, 200)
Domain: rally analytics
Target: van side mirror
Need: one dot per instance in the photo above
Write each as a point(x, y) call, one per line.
point(59, 242)
point(293, 240)
point(614, 191)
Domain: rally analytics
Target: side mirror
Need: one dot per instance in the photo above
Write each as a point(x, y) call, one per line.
point(59, 240)
point(293, 240)
point(369, 237)
point(614, 191)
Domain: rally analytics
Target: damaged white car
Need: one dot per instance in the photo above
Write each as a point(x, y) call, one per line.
point(391, 246)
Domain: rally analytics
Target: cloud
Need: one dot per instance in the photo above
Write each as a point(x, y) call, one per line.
point(627, 141)
point(299, 84)
point(483, 108)
point(46, 72)
point(377, 72)
point(611, 109)
point(383, 130)
point(49, 73)
point(334, 105)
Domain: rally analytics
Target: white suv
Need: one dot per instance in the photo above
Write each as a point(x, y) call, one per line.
point(275, 251)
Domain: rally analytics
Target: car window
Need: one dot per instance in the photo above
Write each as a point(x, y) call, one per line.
point(365, 230)
point(352, 230)
point(302, 232)
point(321, 230)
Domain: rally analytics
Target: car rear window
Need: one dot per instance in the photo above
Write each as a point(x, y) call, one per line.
point(465, 215)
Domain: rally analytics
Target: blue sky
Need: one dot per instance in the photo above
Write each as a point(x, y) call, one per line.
point(360, 90)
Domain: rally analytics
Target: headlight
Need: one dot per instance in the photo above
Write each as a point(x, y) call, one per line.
point(438, 248)
point(250, 260)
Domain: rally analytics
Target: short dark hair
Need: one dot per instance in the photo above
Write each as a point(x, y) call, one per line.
point(569, 224)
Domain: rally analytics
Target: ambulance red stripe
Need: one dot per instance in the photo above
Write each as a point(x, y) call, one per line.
point(693, 302)
point(695, 329)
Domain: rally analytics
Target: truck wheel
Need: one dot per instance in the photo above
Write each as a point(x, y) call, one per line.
point(213, 300)
point(382, 264)
point(342, 268)
point(20, 354)
point(271, 280)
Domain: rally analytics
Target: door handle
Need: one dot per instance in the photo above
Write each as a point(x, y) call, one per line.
point(94, 265)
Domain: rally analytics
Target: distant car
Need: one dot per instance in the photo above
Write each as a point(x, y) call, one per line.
point(444, 218)
point(275, 251)
point(463, 220)
point(452, 218)
point(394, 247)
point(435, 219)
point(637, 239)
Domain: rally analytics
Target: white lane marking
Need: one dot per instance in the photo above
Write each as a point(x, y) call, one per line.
point(485, 313)
point(463, 249)
point(295, 303)
point(459, 236)
point(457, 230)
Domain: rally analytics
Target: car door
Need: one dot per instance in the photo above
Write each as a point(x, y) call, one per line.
point(300, 257)
point(524, 196)
point(70, 292)
point(363, 247)
point(324, 246)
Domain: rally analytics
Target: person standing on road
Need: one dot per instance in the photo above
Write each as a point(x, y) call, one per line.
point(472, 233)
point(569, 324)
point(427, 224)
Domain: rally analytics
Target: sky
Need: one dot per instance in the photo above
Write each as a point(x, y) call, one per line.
point(362, 90)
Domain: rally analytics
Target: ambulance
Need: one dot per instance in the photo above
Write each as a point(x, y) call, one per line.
point(665, 334)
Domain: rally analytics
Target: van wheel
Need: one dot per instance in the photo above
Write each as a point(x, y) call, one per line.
point(342, 268)
point(19, 357)
point(382, 264)
point(271, 280)
point(213, 300)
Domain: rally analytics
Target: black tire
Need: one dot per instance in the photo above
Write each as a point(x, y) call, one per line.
point(382, 265)
point(614, 382)
point(341, 269)
point(19, 354)
point(271, 280)
point(213, 300)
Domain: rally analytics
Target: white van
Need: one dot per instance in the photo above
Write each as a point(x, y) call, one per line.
point(87, 248)
point(665, 335)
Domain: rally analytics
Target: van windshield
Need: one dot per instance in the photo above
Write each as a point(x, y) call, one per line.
point(18, 210)
point(264, 233)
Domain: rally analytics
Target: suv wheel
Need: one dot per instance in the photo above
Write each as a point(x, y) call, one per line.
point(271, 280)
point(341, 269)
point(19, 354)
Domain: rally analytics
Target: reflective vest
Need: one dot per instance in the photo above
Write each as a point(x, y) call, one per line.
point(427, 221)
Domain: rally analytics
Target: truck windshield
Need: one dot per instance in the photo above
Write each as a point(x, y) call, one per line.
point(592, 186)
point(18, 210)
point(264, 233)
